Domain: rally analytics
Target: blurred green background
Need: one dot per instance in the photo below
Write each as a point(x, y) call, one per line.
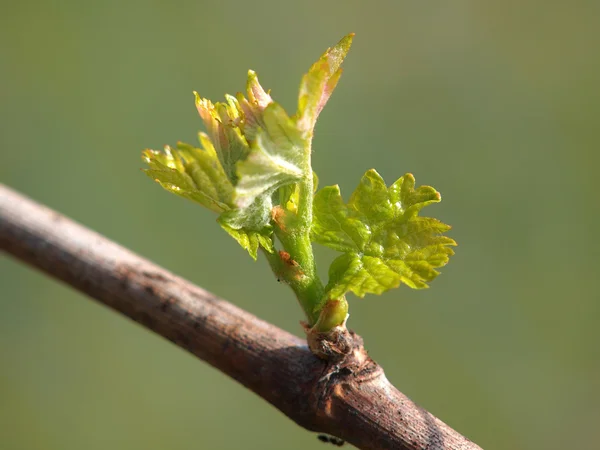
point(496, 104)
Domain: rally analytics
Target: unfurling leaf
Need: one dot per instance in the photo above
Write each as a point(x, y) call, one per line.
point(383, 239)
point(222, 123)
point(250, 240)
point(318, 84)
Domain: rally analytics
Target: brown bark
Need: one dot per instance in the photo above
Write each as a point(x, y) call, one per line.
point(352, 400)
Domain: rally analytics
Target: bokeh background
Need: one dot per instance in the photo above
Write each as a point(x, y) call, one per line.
point(496, 104)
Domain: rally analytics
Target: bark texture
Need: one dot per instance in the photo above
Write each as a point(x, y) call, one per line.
point(351, 399)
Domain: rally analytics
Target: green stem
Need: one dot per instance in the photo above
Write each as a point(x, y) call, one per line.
point(302, 278)
point(296, 264)
point(305, 200)
point(310, 291)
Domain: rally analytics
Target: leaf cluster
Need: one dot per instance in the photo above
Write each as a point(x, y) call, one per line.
point(253, 156)
point(253, 168)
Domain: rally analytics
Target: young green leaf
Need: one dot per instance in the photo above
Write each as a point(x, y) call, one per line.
point(276, 158)
point(192, 173)
point(383, 239)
